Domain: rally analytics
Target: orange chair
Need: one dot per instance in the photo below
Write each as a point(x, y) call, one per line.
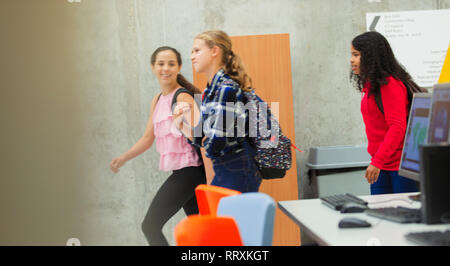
point(207, 230)
point(208, 197)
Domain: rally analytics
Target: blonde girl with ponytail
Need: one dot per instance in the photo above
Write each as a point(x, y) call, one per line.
point(231, 155)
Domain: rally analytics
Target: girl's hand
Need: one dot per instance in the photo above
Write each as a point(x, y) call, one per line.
point(372, 173)
point(116, 163)
point(180, 110)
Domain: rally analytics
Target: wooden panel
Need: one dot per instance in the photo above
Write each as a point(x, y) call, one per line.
point(267, 59)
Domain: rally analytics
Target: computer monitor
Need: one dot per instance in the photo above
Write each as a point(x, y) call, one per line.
point(434, 166)
point(439, 129)
point(416, 134)
point(435, 182)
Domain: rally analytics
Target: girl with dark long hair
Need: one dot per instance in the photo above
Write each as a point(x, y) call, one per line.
point(384, 84)
point(176, 154)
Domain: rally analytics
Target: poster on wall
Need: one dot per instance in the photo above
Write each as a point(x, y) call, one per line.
point(419, 39)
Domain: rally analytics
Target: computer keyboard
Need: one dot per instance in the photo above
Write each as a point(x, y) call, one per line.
point(434, 238)
point(337, 201)
point(397, 214)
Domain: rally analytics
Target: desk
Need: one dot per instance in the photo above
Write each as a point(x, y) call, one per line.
point(321, 222)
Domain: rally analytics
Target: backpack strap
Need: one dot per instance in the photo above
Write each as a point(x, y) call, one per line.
point(159, 96)
point(379, 102)
point(178, 92)
point(410, 90)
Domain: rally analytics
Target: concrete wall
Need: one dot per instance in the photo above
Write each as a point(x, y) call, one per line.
point(76, 91)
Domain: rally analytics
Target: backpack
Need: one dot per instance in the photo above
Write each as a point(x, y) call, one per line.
point(411, 88)
point(174, 101)
point(273, 153)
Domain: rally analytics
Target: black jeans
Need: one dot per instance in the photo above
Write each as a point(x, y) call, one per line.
point(177, 192)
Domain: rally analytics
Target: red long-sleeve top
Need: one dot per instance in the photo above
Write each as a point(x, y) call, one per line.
point(386, 132)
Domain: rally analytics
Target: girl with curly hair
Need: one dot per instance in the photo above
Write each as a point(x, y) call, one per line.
point(384, 84)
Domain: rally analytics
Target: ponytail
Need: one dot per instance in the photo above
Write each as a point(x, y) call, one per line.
point(236, 70)
point(186, 84)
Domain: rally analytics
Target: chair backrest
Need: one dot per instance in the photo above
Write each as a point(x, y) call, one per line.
point(254, 213)
point(207, 230)
point(208, 197)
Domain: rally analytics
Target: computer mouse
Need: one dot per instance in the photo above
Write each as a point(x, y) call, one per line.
point(351, 207)
point(353, 222)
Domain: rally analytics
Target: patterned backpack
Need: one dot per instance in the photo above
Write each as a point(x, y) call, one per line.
point(273, 149)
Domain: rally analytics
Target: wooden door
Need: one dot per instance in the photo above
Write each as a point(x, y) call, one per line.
point(267, 59)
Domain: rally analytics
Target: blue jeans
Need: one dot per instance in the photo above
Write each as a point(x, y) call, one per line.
point(390, 182)
point(237, 171)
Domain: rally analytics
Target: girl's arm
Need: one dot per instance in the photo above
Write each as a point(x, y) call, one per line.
point(186, 115)
point(144, 143)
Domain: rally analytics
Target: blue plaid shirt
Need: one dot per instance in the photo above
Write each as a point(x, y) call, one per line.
point(222, 100)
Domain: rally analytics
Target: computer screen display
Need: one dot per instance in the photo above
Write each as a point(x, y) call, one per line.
point(416, 134)
point(439, 130)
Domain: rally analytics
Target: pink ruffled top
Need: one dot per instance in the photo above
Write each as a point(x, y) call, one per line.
point(175, 151)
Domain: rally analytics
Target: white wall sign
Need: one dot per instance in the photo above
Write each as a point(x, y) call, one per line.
point(420, 40)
